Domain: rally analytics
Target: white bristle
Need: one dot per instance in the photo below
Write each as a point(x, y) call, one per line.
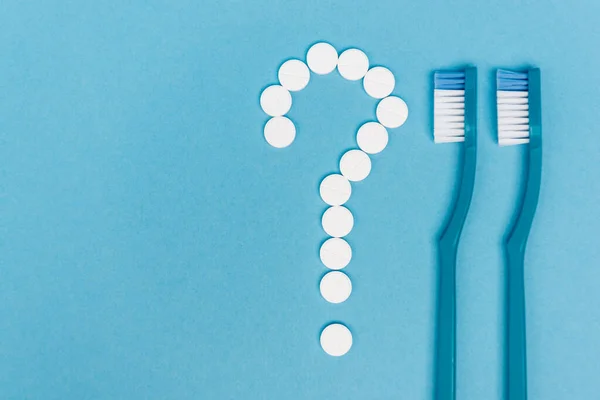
point(513, 134)
point(512, 142)
point(449, 106)
point(449, 116)
point(449, 112)
point(515, 121)
point(511, 94)
point(448, 93)
point(513, 118)
point(513, 114)
point(448, 139)
point(448, 132)
point(449, 125)
point(512, 128)
point(513, 107)
point(513, 100)
point(449, 99)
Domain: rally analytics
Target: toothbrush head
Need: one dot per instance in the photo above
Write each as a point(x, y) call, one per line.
point(513, 107)
point(449, 106)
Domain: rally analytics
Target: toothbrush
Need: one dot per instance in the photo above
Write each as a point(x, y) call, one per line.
point(455, 120)
point(519, 122)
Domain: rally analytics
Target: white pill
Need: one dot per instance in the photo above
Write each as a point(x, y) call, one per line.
point(392, 112)
point(294, 75)
point(322, 58)
point(336, 340)
point(353, 64)
point(355, 165)
point(372, 137)
point(335, 189)
point(335, 253)
point(337, 221)
point(280, 132)
point(379, 82)
point(276, 100)
point(335, 287)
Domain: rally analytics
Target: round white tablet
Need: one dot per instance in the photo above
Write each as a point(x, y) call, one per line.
point(336, 340)
point(322, 58)
point(335, 253)
point(280, 132)
point(294, 75)
point(335, 189)
point(353, 64)
point(355, 165)
point(379, 82)
point(337, 221)
point(392, 112)
point(335, 287)
point(276, 100)
point(372, 137)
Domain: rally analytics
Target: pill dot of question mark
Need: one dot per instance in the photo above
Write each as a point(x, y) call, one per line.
point(336, 339)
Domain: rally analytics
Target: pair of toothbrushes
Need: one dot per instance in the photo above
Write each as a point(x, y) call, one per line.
point(519, 122)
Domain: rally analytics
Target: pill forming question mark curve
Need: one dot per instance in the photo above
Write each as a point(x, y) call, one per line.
point(355, 165)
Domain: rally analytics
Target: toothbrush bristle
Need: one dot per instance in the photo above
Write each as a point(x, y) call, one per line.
point(513, 107)
point(449, 106)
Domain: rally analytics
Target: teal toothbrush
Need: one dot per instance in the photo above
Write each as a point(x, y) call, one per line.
point(519, 122)
point(455, 121)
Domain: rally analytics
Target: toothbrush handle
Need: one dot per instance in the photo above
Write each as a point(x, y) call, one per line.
point(516, 333)
point(445, 373)
point(445, 363)
point(516, 363)
point(516, 243)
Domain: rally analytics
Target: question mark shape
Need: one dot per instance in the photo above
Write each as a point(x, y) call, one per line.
point(355, 165)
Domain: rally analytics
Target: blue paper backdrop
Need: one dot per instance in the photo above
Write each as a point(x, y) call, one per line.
point(155, 247)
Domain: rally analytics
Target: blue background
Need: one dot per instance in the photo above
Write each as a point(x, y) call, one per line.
point(155, 247)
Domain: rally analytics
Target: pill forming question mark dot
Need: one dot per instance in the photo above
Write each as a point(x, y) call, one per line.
point(355, 165)
point(335, 189)
point(392, 112)
point(280, 132)
point(276, 100)
point(322, 58)
point(337, 221)
point(379, 82)
point(335, 287)
point(372, 137)
point(353, 64)
point(293, 75)
point(336, 340)
point(335, 253)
